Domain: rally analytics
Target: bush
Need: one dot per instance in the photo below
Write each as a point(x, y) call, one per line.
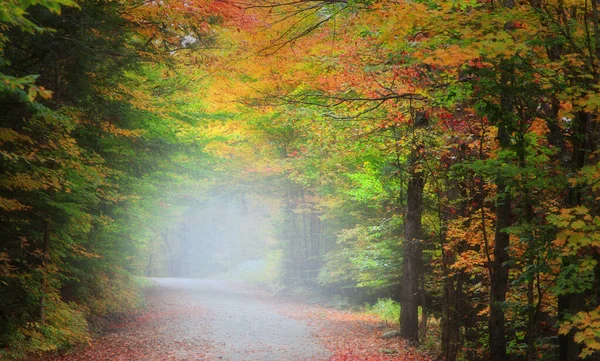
point(111, 293)
point(65, 326)
point(386, 309)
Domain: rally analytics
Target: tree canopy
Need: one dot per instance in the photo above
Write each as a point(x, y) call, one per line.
point(441, 153)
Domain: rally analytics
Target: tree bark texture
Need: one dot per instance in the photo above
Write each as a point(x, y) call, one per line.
point(412, 251)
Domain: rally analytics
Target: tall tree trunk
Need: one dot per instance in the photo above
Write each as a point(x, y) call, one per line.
point(499, 268)
point(412, 253)
point(499, 265)
point(412, 249)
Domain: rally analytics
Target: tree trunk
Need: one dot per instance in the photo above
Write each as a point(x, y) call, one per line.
point(412, 253)
point(499, 265)
point(412, 249)
point(44, 285)
point(569, 304)
point(452, 283)
point(424, 309)
point(450, 317)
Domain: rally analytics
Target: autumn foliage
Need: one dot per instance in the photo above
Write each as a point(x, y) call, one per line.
point(440, 153)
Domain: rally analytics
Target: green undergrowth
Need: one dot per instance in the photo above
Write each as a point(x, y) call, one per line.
point(65, 325)
point(386, 309)
point(73, 322)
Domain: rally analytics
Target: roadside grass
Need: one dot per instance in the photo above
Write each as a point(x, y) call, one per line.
point(386, 309)
point(144, 282)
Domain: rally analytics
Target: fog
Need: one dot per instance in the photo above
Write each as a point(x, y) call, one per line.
point(227, 235)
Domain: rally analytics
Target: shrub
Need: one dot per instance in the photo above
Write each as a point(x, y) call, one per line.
point(65, 326)
point(386, 309)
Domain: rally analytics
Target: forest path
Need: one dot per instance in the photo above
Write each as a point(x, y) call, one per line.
point(208, 320)
point(190, 319)
point(241, 326)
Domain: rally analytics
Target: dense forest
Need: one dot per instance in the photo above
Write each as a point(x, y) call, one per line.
point(441, 153)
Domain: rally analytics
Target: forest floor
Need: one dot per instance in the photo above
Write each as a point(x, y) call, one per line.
point(212, 320)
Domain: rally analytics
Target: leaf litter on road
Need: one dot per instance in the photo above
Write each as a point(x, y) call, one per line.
point(175, 327)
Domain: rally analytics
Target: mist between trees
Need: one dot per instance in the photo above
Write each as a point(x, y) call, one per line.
point(443, 154)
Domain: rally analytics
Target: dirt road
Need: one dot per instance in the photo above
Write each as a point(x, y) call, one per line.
point(214, 321)
point(191, 319)
point(241, 327)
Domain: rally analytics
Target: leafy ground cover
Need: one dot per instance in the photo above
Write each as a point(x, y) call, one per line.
point(350, 335)
point(181, 324)
point(173, 327)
